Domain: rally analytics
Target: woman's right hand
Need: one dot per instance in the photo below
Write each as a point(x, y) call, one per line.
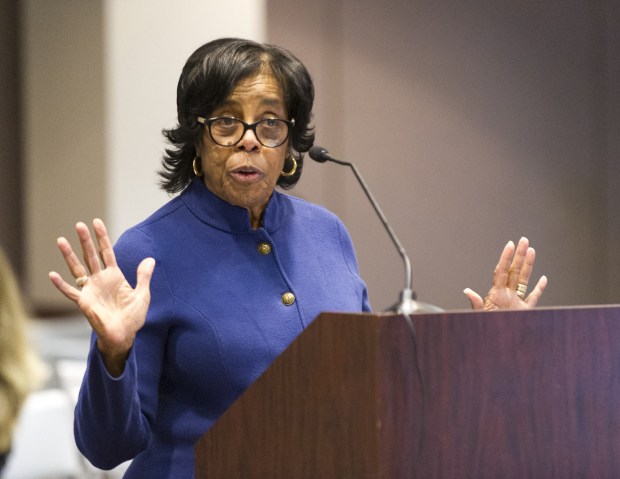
point(114, 309)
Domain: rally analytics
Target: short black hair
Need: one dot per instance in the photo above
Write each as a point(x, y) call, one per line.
point(209, 77)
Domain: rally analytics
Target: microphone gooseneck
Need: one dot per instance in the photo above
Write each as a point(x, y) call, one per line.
point(407, 303)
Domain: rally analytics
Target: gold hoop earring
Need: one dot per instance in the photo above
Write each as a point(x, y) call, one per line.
point(197, 171)
point(292, 171)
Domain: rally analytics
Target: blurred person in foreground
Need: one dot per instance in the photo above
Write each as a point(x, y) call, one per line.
point(20, 368)
point(194, 303)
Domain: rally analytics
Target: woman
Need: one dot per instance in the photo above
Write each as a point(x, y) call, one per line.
point(195, 302)
point(20, 368)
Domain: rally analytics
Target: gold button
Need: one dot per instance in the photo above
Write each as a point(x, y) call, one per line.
point(288, 298)
point(264, 248)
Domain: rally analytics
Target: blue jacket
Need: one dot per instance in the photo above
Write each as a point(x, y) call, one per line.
point(217, 319)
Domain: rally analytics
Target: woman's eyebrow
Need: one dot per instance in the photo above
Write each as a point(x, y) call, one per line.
point(229, 102)
point(271, 101)
point(267, 100)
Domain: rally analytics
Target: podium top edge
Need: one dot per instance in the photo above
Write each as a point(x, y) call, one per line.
point(572, 308)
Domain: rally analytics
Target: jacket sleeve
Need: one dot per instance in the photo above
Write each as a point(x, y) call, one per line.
point(348, 251)
point(113, 416)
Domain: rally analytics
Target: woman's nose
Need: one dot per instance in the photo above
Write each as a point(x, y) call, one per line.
point(248, 141)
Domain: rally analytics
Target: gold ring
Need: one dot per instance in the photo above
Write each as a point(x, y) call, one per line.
point(521, 289)
point(81, 281)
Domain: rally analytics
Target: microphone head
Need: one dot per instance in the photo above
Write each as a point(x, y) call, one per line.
point(318, 153)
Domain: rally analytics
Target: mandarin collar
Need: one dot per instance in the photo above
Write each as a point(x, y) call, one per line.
point(220, 214)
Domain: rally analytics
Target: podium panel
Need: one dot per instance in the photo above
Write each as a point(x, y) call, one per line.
point(337, 403)
point(523, 394)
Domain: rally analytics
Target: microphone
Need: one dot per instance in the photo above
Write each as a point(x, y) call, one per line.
point(407, 303)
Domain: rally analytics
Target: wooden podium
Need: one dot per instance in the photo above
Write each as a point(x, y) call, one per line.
point(523, 394)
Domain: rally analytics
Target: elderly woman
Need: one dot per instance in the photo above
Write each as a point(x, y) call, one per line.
point(195, 302)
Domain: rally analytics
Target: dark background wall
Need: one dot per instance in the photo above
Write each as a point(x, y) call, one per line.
point(474, 123)
point(10, 158)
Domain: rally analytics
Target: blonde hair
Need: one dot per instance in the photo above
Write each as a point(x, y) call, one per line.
point(20, 367)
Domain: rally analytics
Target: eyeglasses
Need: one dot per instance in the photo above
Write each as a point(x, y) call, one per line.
point(228, 131)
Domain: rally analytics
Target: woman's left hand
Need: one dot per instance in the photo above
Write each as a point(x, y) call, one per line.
point(510, 280)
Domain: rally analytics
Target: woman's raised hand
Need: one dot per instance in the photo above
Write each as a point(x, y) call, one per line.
point(510, 280)
point(114, 309)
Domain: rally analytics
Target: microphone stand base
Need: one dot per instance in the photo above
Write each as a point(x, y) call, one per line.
point(407, 305)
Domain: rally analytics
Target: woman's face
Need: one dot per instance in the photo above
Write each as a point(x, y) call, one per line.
point(246, 174)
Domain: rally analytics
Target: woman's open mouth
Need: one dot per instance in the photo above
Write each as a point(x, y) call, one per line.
point(246, 174)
